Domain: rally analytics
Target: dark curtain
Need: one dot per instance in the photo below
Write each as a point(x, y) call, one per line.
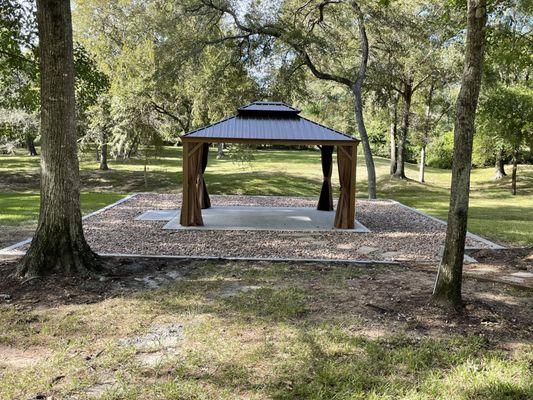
point(191, 211)
point(205, 202)
point(344, 217)
point(325, 202)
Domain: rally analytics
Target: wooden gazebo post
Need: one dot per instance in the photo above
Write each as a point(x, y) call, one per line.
point(191, 210)
point(346, 160)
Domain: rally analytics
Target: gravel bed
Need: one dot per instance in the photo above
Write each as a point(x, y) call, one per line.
point(396, 233)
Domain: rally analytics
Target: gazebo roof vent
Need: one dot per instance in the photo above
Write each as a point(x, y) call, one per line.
point(268, 108)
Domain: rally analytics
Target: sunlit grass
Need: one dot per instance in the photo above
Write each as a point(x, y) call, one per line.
point(23, 208)
point(494, 212)
point(273, 342)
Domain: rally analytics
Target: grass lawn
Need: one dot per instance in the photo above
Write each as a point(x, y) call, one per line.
point(226, 330)
point(494, 212)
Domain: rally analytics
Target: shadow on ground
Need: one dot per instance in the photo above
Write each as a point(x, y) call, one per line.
point(262, 330)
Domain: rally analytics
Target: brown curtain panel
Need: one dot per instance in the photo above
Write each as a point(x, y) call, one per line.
point(325, 202)
point(205, 202)
point(345, 215)
point(191, 211)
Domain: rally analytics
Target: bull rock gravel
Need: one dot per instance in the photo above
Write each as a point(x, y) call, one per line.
point(396, 233)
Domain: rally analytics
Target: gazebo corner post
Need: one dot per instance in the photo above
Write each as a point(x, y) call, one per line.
point(325, 201)
point(184, 216)
point(346, 160)
point(191, 211)
point(353, 181)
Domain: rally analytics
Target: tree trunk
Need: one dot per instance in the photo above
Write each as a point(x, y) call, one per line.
point(427, 127)
point(407, 96)
point(393, 133)
point(103, 151)
point(499, 172)
point(357, 89)
point(58, 245)
point(422, 171)
point(30, 145)
point(448, 283)
point(220, 151)
point(513, 174)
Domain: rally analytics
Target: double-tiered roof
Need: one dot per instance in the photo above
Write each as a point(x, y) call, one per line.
point(269, 122)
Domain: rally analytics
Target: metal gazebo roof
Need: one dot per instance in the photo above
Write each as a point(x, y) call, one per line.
point(269, 122)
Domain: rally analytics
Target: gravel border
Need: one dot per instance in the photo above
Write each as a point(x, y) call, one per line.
point(398, 233)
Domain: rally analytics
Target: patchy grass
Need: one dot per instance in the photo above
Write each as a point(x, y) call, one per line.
point(22, 208)
point(494, 212)
point(262, 331)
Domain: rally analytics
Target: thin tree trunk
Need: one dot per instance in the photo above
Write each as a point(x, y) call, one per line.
point(513, 174)
point(427, 127)
point(357, 89)
point(393, 133)
point(422, 171)
point(448, 283)
point(58, 245)
point(407, 96)
point(499, 167)
point(103, 151)
point(30, 145)
point(220, 151)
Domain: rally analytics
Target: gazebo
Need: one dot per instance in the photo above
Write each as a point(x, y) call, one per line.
point(270, 123)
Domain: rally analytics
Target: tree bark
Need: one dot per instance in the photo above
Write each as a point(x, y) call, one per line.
point(427, 127)
point(407, 96)
point(447, 288)
point(499, 171)
point(357, 89)
point(30, 145)
point(58, 245)
point(513, 174)
point(103, 158)
point(220, 151)
point(103, 152)
point(393, 133)
point(422, 171)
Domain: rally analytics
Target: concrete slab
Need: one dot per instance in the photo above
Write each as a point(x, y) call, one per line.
point(266, 218)
point(158, 215)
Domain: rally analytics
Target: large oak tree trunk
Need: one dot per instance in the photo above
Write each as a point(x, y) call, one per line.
point(448, 283)
point(58, 245)
point(407, 96)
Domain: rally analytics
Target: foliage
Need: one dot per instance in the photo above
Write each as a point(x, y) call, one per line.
point(166, 67)
point(441, 151)
point(506, 114)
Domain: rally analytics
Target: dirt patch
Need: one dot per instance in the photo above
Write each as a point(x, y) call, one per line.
point(10, 235)
point(387, 298)
point(511, 259)
point(22, 358)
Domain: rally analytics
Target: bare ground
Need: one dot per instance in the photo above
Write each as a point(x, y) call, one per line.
point(158, 321)
point(384, 296)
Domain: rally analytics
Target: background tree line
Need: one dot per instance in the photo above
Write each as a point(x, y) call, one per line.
point(385, 71)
